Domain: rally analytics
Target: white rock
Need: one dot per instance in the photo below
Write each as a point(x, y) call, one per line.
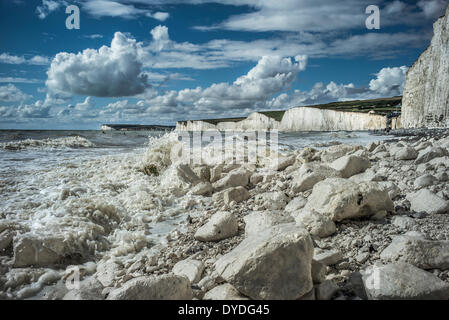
point(425, 181)
point(368, 175)
point(424, 254)
point(392, 189)
point(430, 153)
point(107, 272)
point(284, 162)
point(425, 200)
point(190, 268)
point(31, 250)
point(318, 168)
point(334, 152)
point(238, 194)
point(328, 257)
point(224, 292)
point(317, 224)
point(220, 226)
point(350, 165)
point(235, 178)
point(371, 146)
point(362, 257)
point(403, 222)
point(296, 204)
point(276, 200)
point(165, 287)
point(406, 153)
point(259, 221)
point(343, 199)
point(402, 281)
point(208, 283)
point(274, 264)
point(202, 188)
point(306, 181)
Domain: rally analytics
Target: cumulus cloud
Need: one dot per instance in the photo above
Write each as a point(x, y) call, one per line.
point(83, 106)
point(113, 71)
point(7, 112)
point(10, 93)
point(271, 75)
point(388, 82)
point(37, 110)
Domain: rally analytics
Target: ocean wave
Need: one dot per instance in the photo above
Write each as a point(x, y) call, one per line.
point(55, 143)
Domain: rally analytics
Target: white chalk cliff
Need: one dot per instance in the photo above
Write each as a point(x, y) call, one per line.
point(426, 93)
point(296, 119)
point(314, 119)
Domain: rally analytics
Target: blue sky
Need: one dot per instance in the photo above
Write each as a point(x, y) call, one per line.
point(155, 62)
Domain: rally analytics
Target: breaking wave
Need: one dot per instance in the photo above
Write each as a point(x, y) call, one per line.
point(51, 143)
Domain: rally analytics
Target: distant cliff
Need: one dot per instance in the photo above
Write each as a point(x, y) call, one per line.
point(374, 114)
point(426, 92)
point(134, 127)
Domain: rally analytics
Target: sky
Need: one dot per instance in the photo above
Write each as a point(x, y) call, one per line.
point(160, 61)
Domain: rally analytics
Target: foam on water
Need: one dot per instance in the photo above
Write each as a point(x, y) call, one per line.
point(66, 142)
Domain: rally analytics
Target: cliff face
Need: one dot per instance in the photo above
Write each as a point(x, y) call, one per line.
point(426, 93)
point(313, 119)
point(297, 119)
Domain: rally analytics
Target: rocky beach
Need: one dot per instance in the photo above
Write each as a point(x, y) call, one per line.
point(325, 223)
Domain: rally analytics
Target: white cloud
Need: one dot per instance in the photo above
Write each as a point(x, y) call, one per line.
point(10, 93)
point(83, 106)
point(321, 16)
point(12, 59)
point(107, 8)
point(37, 110)
point(19, 80)
point(271, 75)
point(93, 36)
point(107, 72)
point(48, 6)
point(161, 16)
point(163, 53)
point(433, 8)
point(7, 112)
point(388, 82)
